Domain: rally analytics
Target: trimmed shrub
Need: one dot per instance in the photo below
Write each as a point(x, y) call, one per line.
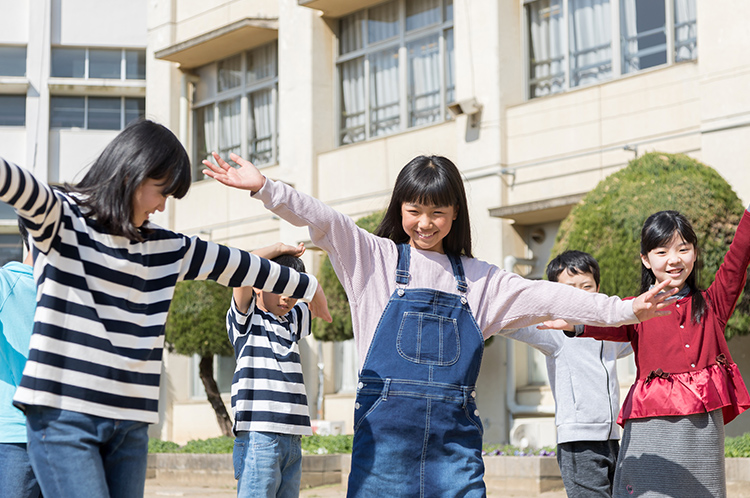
point(607, 222)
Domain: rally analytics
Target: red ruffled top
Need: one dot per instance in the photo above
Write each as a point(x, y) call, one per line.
point(683, 367)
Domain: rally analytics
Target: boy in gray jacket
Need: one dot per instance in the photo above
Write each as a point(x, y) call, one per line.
point(583, 377)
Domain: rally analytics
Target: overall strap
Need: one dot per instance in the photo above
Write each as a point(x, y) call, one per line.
point(402, 270)
point(458, 273)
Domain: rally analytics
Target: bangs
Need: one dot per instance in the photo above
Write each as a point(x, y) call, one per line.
point(175, 175)
point(664, 226)
point(430, 188)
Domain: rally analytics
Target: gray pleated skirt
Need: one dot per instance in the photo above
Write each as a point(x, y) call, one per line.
point(680, 457)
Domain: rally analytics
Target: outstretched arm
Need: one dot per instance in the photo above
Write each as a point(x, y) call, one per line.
point(648, 305)
point(244, 295)
point(246, 177)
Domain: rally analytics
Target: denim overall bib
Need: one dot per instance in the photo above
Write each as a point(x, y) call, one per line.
point(416, 426)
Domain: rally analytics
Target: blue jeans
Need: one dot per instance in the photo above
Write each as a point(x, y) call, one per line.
point(76, 455)
point(267, 464)
point(16, 477)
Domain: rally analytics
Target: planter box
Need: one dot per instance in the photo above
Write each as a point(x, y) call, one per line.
point(218, 470)
point(503, 474)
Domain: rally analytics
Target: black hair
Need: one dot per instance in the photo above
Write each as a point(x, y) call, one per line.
point(434, 181)
point(142, 150)
point(24, 234)
point(576, 262)
point(658, 230)
point(292, 262)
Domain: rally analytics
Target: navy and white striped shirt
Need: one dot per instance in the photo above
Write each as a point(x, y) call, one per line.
point(268, 391)
point(102, 301)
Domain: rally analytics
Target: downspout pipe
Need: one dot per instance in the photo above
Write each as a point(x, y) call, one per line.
point(515, 409)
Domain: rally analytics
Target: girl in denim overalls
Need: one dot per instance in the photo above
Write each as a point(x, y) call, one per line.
point(422, 307)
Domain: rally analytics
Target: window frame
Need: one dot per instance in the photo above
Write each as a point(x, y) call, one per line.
point(401, 42)
point(615, 47)
point(86, 108)
point(242, 92)
point(87, 62)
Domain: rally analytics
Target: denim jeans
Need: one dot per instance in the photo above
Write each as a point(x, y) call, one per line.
point(267, 464)
point(16, 477)
point(76, 455)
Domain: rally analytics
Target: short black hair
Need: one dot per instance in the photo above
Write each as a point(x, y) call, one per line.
point(292, 262)
point(576, 262)
point(24, 234)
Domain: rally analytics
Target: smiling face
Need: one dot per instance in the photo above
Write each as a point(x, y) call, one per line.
point(672, 261)
point(427, 225)
point(148, 198)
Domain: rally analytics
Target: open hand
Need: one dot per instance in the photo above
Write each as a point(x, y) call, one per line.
point(296, 251)
point(246, 177)
point(651, 303)
point(319, 306)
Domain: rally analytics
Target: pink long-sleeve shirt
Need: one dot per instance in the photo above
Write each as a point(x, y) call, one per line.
point(366, 266)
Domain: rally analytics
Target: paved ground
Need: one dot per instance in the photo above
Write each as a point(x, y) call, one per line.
point(154, 489)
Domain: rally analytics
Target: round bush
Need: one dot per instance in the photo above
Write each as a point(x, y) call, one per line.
point(607, 222)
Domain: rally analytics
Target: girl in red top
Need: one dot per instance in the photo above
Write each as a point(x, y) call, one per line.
point(687, 385)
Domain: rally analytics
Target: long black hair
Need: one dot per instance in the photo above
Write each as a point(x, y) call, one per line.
point(434, 181)
point(658, 231)
point(142, 150)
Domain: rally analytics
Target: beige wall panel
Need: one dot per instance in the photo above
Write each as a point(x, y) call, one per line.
point(725, 97)
point(729, 153)
point(14, 23)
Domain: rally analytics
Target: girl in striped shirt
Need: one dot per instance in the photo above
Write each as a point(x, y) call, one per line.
point(106, 277)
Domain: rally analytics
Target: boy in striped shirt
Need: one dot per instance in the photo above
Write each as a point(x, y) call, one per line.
point(269, 403)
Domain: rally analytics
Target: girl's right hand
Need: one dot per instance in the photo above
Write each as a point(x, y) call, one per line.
point(246, 177)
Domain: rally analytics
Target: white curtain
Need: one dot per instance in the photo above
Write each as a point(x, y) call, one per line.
point(230, 74)
point(230, 127)
point(421, 13)
point(685, 33)
point(382, 22)
point(424, 81)
point(205, 139)
point(629, 28)
point(261, 63)
point(384, 94)
point(590, 39)
point(353, 101)
point(546, 58)
point(260, 127)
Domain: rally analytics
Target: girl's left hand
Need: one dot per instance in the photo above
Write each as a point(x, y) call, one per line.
point(319, 306)
point(651, 303)
point(246, 177)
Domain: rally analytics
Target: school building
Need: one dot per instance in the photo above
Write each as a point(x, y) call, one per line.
point(536, 101)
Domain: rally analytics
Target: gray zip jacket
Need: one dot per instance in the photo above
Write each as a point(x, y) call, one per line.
point(583, 376)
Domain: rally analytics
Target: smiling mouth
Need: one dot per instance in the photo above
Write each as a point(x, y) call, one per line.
point(424, 235)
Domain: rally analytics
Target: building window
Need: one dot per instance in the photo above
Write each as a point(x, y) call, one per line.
point(12, 61)
point(88, 63)
point(379, 45)
point(11, 246)
point(95, 113)
point(12, 110)
point(571, 41)
point(237, 108)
